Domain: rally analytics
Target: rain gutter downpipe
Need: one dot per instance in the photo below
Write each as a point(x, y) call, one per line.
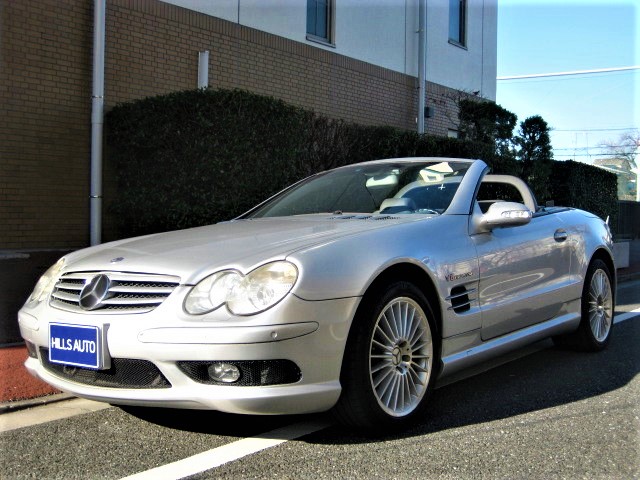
point(97, 121)
point(422, 63)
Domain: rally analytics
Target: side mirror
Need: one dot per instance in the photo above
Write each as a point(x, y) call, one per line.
point(505, 214)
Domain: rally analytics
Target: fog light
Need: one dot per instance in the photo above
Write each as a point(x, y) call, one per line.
point(31, 349)
point(223, 372)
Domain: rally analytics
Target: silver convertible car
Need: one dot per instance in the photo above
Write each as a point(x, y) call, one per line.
point(353, 290)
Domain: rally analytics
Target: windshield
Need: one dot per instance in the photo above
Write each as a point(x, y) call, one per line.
point(385, 188)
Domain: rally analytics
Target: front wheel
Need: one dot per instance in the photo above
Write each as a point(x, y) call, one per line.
point(388, 371)
point(596, 323)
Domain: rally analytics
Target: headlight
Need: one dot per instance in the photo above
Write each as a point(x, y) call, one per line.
point(262, 288)
point(45, 285)
point(244, 295)
point(211, 293)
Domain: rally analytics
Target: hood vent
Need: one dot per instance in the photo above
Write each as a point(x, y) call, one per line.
point(364, 217)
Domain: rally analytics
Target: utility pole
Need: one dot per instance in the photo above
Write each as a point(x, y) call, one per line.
point(422, 63)
point(97, 121)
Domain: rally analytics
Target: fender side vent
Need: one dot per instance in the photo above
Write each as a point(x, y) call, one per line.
point(460, 299)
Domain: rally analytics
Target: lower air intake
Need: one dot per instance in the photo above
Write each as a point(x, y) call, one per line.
point(124, 373)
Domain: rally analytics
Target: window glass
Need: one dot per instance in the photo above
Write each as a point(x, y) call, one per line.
point(457, 21)
point(384, 188)
point(318, 18)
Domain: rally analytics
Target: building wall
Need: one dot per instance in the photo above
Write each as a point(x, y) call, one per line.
point(152, 49)
point(45, 72)
point(384, 34)
point(472, 68)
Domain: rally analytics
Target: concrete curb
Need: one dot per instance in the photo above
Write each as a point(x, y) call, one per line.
point(8, 407)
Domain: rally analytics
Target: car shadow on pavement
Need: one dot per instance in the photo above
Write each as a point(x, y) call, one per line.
point(212, 422)
point(544, 379)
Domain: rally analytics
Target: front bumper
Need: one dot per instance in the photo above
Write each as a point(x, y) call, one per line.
point(311, 335)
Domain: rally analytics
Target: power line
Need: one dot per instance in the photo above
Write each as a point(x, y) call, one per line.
point(565, 74)
point(593, 129)
point(596, 147)
point(587, 155)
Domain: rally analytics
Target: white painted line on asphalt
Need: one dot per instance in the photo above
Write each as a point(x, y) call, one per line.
point(242, 448)
point(626, 316)
point(228, 453)
point(48, 413)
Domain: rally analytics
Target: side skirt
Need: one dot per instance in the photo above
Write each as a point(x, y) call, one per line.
point(498, 346)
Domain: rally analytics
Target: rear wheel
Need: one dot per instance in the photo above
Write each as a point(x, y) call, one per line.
point(596, 324)
point(388, 371)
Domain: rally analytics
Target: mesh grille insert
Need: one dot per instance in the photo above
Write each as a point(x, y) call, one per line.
point(124, 373)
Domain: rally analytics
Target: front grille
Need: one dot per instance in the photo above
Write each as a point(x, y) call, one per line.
point(253, 373)
point(127, 293)
point(124, 373)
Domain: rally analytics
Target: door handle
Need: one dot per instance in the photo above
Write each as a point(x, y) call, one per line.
point(560, 235)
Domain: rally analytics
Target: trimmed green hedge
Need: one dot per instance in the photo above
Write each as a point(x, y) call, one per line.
point(575, 184)
point(197, 157)
point(202, 156)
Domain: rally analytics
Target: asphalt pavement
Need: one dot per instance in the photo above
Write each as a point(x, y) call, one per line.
point(549, 414)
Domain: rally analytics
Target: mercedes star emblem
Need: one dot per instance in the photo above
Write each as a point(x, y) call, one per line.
point(94, 292)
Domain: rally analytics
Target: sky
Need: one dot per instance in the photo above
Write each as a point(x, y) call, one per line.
point(547, 36)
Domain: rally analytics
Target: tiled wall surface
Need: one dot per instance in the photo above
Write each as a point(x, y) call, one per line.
point(151, 49)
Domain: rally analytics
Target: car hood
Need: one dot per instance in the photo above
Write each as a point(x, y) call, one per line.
point(240, 244)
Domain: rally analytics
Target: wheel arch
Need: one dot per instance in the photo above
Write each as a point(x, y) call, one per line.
point(607, 258)
point(355, 407)
point(411, 273)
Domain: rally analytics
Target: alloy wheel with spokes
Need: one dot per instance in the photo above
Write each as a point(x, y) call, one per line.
point(391, 359)
point(597, 311)
point(401, 356)
point(600, 305)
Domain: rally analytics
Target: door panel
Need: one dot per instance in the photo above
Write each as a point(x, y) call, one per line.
point(524, 274)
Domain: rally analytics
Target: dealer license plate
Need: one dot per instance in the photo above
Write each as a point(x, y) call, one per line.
point(76, 345)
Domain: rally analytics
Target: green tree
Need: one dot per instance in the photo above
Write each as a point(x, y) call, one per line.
point(535, 154)
point(487, 122)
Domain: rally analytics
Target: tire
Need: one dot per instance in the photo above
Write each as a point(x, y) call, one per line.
point(597, 307)
point(389, 367)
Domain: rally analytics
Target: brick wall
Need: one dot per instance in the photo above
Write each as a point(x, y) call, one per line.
point(45, 67)
point(152, 48)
